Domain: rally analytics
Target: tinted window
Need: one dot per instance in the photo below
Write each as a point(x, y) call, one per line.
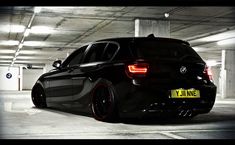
point(154, 49)
point(75, 58)
point(124, 52)
point(95, 52)
point(109, 51)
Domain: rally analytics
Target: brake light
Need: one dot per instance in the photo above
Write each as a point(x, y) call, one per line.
point(137, 70)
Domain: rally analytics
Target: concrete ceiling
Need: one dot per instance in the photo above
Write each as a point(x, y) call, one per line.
point(57, 31)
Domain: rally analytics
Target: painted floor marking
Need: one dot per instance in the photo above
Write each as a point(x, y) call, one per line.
point(8, 108)
point(172, 135)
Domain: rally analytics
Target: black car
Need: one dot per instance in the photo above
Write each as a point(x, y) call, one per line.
point(129, 77)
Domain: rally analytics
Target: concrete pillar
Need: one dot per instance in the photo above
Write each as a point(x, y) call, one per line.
point(228, 74)
point(20, 78)
point(157, 27)
point(216, 77)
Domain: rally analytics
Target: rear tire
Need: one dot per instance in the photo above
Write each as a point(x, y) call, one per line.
point(38, 97)
point(104, 106)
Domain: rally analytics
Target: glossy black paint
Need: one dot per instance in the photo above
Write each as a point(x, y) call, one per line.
point(72, 86)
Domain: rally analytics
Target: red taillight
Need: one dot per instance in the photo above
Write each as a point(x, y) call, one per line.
point(208, 73)
point(137, 69)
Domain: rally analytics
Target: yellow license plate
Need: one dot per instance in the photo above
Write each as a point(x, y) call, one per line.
point(182, 93)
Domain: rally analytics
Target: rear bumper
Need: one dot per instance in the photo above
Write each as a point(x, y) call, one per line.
point(140, 101)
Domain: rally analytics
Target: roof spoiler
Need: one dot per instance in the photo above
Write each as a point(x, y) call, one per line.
point(151, 35)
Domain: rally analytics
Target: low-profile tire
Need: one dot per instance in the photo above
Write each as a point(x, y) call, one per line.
point(103, 103)
point(38, 97)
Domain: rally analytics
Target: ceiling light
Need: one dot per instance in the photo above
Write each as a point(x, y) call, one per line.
point(29, 52)
point(226, 42)
point(37, 9)
point(166, 15)
point(20, 45)
point(6, 57)
point(221, 36)
point(33, 43)
point(28, 57)
point(6, 51)
point(9, 42)
point(26, 33)
point(12, 28)
point(6, 61)
point(41, 30)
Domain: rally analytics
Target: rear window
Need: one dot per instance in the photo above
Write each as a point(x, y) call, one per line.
point(153, 49)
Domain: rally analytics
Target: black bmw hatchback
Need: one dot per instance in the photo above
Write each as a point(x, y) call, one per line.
point(129, 77)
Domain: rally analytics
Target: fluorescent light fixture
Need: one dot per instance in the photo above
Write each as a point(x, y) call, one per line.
point(26, 33)
point(33, 43)
point(42, 30)
point(37, 9)
point(221, 36)
point(20, 45)
point(62, 8)
point(9, 42)
point(12, 28)
point(28, 52)
point(211, 62)
point(6, 57)
point(6, 51)
point(226, 42)
point(27, 57)
point(6, 61)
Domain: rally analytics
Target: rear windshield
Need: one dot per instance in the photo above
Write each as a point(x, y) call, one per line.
point(170, 50)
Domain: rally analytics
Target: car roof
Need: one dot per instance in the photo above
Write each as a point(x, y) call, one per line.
point(162, 39)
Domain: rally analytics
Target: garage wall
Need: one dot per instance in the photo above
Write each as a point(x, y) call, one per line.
point(30, 76)
point(13, 82)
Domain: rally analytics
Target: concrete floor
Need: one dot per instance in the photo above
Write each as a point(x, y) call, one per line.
point(20, 120)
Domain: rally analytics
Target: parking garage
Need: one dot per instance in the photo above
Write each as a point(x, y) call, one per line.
point(32, 38)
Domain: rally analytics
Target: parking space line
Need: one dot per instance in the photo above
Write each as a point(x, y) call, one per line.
point(30, 111)
point(172, 135)
point(198, 130)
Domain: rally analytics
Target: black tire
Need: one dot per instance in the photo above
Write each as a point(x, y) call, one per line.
point(38, 97)
point(104, 106)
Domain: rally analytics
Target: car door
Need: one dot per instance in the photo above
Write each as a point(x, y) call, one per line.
point(82, 72)
point(61, 82)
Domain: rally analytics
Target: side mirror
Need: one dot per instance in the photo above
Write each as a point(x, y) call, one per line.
point(57, 63)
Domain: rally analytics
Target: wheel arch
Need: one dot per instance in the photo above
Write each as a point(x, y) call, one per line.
point(107, 82)
point(103, 81)
point(37, 84)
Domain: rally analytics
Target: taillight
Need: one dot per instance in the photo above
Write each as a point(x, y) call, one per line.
point(208, 73)
point(137, 69)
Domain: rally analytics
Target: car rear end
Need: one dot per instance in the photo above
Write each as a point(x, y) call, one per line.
point(167, 76)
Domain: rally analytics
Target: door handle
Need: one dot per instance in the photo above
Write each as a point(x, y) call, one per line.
point(77, 78)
